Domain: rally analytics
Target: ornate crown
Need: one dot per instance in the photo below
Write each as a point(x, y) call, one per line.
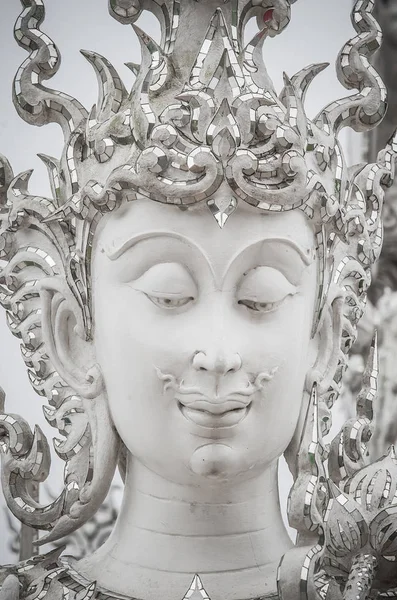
point(202, 114)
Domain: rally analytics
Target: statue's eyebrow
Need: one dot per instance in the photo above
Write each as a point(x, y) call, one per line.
point(115, 252)
point(281, 253)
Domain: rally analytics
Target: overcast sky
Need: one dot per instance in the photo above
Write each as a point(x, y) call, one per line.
point(318, 30)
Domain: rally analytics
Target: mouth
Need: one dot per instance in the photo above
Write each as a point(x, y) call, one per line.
point(214, 415)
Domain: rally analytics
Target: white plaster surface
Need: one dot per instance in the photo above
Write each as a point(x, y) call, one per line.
point(317, 32)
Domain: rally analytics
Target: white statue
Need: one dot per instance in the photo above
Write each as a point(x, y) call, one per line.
point(185, 302)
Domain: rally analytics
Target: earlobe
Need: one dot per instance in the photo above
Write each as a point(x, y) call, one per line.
point(70, 352)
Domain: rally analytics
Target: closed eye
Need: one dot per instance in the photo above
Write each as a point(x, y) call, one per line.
point(167, 285)
point(262, 307)
point(169, 302)
point(264, 290)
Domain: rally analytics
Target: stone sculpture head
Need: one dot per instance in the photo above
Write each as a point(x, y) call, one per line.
point(202, 265)
point(223, 316)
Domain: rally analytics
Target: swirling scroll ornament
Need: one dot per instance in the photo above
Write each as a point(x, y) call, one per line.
point(202, 117)
point(368, 107)
point(35, 103)
point(25, 455)
point(356, 518)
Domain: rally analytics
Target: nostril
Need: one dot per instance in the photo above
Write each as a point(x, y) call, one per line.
point(216, 363)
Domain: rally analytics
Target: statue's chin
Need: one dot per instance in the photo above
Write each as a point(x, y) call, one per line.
point(217, 461)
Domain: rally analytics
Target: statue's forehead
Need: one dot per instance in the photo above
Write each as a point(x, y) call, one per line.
point(247, 227)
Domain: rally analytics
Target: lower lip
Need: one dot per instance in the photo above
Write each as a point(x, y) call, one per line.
point(207, 419)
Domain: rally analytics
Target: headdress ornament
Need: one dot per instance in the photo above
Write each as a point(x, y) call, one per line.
point(202, 115)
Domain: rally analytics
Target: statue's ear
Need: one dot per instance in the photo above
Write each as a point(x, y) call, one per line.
point(327, 353)
point(69, 350)
point(327, 340)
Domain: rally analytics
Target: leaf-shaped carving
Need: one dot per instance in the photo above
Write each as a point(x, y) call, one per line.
point(309, 495)
point(223, 120)
point(348, 453)
point(224, 145)
point(346, 529)
point(383, 532)
point(375, 487)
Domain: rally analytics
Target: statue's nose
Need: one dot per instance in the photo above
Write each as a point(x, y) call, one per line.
point(219, 363)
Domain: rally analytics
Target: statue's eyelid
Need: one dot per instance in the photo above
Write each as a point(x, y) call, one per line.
point(151, 292)
point(150, 283)
point(285, 287)
point(171, 295)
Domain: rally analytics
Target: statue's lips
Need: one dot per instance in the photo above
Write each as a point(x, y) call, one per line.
point(214, 414)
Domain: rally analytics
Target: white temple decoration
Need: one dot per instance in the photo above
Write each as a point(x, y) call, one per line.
point(203, 125)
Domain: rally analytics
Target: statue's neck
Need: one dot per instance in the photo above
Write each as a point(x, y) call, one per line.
point(233, 537)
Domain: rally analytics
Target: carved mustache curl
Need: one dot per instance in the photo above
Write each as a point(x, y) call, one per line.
point(171, 382)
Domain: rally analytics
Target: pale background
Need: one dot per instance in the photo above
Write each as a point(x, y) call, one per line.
point(318, 30)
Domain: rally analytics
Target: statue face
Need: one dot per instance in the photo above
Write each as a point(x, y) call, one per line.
point(203, 335)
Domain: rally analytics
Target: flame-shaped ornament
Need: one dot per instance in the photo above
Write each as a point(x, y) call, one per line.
point(202, 117)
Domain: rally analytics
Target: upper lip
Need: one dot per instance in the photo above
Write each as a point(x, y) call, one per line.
point(214, 406)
